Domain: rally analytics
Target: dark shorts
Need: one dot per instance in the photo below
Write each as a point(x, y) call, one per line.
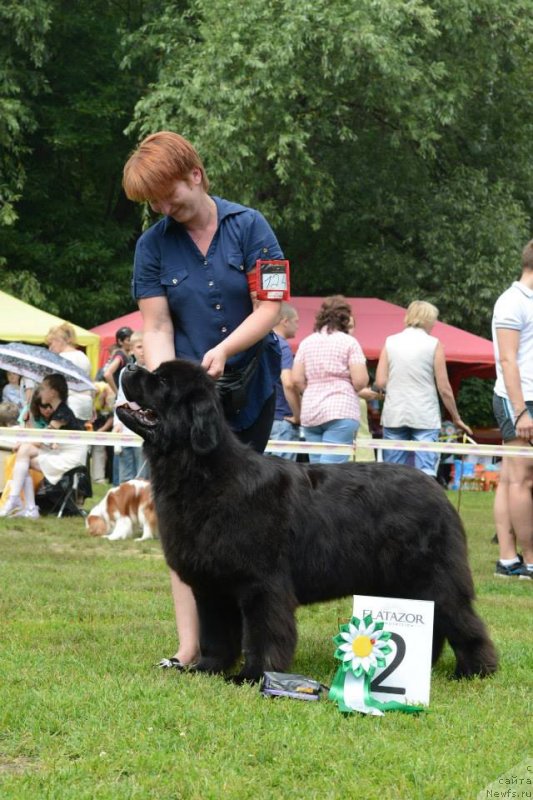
point(505, 416)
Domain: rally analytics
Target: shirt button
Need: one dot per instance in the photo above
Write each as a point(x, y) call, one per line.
point(174, 281)
point(224, 330)
point(205, 263)
point(218, 306)
point(265, 249)
point(211, 283)
point(241, 267)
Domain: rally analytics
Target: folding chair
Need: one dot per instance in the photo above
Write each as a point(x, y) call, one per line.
point(65, 498)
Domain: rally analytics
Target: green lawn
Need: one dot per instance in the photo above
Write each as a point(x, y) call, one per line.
point(84, 713)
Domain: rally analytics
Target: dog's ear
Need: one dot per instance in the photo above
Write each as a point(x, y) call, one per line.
point(205, 426)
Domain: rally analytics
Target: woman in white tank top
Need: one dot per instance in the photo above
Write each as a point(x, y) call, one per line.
point(412, 368)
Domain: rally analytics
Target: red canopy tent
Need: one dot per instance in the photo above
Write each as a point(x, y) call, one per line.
point(466, 354)
point(109, 329)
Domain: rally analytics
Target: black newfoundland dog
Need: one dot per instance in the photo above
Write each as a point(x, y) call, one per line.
point(256, 536)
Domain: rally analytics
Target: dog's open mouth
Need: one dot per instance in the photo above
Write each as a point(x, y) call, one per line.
point(144, 416)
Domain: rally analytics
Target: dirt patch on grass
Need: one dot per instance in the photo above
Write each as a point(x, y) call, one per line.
point(18, 765)
point(105, 549)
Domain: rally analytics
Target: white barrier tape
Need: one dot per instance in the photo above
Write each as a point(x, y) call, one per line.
point(11, 436)
point(457, 448)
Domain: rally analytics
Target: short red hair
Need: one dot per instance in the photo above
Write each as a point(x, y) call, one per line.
point(159, 160)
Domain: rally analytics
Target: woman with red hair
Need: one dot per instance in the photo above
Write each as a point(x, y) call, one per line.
point(193, 279)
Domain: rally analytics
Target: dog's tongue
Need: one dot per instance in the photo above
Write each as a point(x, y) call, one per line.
point(131, 405)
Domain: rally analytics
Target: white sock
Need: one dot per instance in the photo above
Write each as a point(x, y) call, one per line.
point(20, 473)
point(529, 567)
point(29, 494)
point(506, 562)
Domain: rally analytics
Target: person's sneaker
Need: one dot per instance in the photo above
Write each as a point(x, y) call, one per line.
point(32, 513)
point(12, 508)
point(516, 570)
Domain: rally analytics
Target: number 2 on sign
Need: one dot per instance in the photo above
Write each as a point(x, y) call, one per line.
point(376, 686)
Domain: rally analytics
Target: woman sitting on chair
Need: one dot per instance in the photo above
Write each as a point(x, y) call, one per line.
point(52, 460)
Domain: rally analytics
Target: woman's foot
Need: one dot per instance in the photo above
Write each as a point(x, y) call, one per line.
point(171, 663)
point(176, 663)
point(31, 513)
point(12, 508)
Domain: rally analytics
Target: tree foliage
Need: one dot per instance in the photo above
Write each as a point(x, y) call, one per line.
point(23, 27)
point(388, 141)
point(71, 250)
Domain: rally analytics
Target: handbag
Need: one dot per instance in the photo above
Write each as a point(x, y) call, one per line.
point(233, 385)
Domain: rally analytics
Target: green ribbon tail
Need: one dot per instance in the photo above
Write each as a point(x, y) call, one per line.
point(392, 705)
point(336, 692)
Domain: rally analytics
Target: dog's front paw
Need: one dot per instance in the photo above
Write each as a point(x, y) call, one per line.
point(211, 666)
point(242, 678)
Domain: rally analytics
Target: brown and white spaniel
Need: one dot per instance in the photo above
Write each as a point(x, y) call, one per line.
point(122, 509)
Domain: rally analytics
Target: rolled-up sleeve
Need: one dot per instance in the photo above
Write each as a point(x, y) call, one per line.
point(261, 241)
point(146, 280)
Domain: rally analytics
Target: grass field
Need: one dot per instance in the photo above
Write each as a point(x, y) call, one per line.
point(84, 713)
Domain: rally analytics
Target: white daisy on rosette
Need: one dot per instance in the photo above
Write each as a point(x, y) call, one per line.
point(362, 646)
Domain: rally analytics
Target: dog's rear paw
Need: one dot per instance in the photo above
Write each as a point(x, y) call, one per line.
point(483, 671)
point(478, 664)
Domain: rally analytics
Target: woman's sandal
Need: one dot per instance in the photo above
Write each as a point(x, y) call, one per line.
point(171, 663)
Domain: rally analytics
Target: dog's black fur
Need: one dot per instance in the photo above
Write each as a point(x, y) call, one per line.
point(256, 536)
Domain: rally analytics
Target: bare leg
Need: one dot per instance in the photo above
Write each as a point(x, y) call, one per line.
point(502, 515)
point(520, 472)
point(186, 620)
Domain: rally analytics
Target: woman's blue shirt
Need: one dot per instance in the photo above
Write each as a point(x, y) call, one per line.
point(209, 296)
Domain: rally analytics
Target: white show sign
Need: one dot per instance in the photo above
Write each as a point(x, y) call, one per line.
point(407, 676)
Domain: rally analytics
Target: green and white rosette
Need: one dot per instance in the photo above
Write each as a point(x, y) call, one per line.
point(362, 647)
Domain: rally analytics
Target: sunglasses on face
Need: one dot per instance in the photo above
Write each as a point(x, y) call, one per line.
point(45, 405)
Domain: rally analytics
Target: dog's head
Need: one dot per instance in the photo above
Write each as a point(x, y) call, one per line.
point(173, 407)
point(96, 525)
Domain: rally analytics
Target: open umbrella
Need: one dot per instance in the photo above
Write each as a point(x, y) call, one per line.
point(35, 363)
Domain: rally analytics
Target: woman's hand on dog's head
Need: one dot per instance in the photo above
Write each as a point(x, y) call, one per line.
point(214, 362)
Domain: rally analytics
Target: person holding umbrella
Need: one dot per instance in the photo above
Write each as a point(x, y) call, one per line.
point(51, 460)
point(61, 339)
point(33, 363)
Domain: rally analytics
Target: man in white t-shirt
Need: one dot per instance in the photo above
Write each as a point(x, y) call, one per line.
point(512, 333)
